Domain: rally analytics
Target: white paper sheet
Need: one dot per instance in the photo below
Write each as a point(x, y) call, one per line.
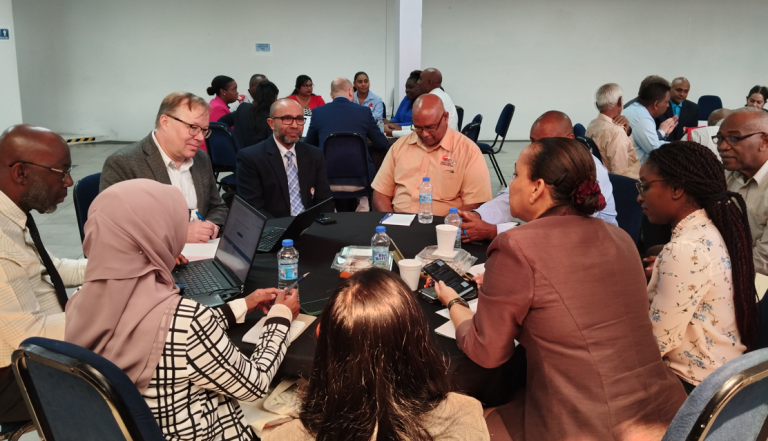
point(403, 220)
point(477, 269)
point(200, 251)
point(254, 335)
point(472, 307)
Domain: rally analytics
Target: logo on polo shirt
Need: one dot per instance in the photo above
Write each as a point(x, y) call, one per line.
point(446, 160)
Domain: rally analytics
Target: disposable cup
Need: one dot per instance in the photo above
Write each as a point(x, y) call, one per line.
point(446, 238)
point(410, 270)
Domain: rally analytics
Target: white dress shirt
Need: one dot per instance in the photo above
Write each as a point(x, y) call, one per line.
point(703, 136)
point(453, 115)
point(181, 177)
point(28, 303)
point(283, 151)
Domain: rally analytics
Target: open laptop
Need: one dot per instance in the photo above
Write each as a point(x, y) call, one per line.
point(271, 239)
point(211, 281)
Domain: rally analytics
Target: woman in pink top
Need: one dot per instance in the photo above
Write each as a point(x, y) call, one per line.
point(225, 89)
point(303, 95)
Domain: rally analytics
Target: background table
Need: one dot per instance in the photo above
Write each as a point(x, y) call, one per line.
point(317, 248)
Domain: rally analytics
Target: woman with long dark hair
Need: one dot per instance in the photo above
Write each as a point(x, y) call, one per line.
point(250, 119)
point(376, 374)
point(702, 289)
point(302, 94)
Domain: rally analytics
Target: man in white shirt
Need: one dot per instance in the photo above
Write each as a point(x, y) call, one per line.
point(703, 135)
point(431, 81)
point(34, 175)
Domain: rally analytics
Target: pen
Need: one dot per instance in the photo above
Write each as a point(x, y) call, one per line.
point(385, 217)
point(200, 216)
point(295, 284)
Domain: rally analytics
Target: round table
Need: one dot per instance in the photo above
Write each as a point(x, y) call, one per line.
point(317, 248)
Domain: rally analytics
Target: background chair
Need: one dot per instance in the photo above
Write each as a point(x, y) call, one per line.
point(460, 113)
point(346, 163)
point(762, 335)
point(223, 148)
point(73, 393)
point(730, 404)
point(13, 431)
point(502, 126)
point(84, 193)
point(708, 104)
point(579, 130)
point(472, 130)
point(385, 110)
point(629, 213)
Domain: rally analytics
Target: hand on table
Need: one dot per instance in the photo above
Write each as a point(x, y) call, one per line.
point(388, 131)
point(261, 299)
point(669, 125)
point(201, 232)
point(444, 293)
point(291, 300)
point(474, 228)
point(649, 262)
point(621, 120)
point(181, 260)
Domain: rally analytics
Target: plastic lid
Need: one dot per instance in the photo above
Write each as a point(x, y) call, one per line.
point(288, 243)
point(453, 210)
point(425, 179)
point(381, 229)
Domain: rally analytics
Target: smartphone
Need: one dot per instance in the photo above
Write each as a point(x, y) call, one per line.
point(428, 294)
point(442, 272)
point(325, 220)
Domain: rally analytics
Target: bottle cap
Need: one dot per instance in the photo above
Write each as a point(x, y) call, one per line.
point(381, 229)
point(288, 243)
point(453, 210)
point(425, 179)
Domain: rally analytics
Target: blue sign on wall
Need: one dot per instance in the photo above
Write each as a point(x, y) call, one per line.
point(263, 47)
point(4, 34)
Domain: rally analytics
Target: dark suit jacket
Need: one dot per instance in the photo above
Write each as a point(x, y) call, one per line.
point(142, 160)
point(689, 117)
point(342, 115)
point(263, 183)
point(246, 134)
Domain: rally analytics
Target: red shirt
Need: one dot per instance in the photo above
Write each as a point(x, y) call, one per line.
point(314, 101)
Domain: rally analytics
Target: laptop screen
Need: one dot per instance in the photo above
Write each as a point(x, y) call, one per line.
point(239, 240)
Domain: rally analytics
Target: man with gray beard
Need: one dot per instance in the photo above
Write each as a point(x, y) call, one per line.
point(34, 175)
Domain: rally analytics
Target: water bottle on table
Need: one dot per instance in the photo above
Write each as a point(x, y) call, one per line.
point(380, 123)
point(453, 218)
point(287, 265)
point(425, 202)
point(380, 245)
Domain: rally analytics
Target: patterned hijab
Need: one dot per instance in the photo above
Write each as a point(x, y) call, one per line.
point(135, 229)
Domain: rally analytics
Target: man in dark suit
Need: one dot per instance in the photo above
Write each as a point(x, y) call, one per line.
point(281, 176)
point(686, 111)
point(171, 155)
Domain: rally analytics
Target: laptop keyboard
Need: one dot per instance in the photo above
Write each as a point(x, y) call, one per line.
point(270, 238)
point(197, 279)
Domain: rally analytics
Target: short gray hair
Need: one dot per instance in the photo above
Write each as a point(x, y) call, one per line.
point(607, 96)
point(177, 99)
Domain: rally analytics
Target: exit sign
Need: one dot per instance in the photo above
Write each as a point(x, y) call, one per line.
point(4, 34)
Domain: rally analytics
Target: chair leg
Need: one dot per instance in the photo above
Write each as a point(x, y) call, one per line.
point(497, 169)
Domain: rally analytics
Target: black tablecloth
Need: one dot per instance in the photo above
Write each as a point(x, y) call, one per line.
point(317, 248)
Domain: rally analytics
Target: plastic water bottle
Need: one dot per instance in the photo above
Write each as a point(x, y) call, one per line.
point(425, 202)
point(381, 124)
point(453, 218)
point(380, 245)
point(287, 265)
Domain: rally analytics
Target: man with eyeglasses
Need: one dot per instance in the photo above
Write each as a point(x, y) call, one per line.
point(742, 142)
point(454, 164)
point(171, 154)
point(281, 176)
point(35, 170)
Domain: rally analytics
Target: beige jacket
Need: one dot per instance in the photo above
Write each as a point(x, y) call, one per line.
point(616, 148)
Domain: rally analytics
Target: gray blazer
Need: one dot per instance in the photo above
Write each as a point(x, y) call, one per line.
point(143, 160)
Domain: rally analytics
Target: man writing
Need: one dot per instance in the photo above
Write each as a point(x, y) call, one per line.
point(453, 163)
point(34, 175)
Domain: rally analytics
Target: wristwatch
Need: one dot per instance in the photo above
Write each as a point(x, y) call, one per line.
point(458, 300)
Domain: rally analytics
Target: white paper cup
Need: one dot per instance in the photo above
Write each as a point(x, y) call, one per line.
point(446, 239)
point(410, 270)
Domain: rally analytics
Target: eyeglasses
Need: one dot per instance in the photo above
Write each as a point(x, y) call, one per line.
point(642, 187)
point(67, 172)
point(194, 130)
point(431, 128)
point(287, 119)
point(309, 86)
point(732, 140)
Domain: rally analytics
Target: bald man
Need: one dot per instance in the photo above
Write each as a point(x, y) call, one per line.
point(703, 135)
point(494, 218)
point(431, 82)
point(679, 106)
point(743, 147)
point(34, 175)
point(453, 163)
point(281, 176)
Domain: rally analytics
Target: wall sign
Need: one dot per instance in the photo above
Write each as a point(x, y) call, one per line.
point(263, 48)
point(5, 34)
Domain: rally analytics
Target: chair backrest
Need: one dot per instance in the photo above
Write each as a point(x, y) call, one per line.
point(762, 334)
point(460, 113)
point(579, 130)
point(505, 119)
point(629, 213)
point(385, 110)
point(346, 156)
point(73, 393)
point(731, 403)
point(222, 145)
point(708, 104)
point(472, 131)
point(84, 193)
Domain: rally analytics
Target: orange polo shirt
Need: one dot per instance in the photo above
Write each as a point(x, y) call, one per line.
point(455, 167)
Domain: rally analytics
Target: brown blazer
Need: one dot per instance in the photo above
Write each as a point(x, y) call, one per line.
point(572, 291)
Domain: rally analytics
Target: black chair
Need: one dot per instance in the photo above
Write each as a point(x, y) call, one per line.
point(762, 334)
point(73, 393)
point(13, 431)
point(385, 110)
point(472, 130)
point(579, 130)
point(83, 194)
point(502, 127)
point(223, 148)
point(346, 163)
point(629, 213)
point(708, 104)
point(460, 113)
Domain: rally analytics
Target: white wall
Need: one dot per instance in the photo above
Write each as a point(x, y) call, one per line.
point(10, 107)
point(554, 54)
point(102, 67)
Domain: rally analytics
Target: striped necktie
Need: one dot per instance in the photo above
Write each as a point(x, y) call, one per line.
point(293, 185)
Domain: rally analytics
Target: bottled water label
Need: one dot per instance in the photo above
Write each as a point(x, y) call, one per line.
point(425, 198)
point(380, 257)
point(288, 272)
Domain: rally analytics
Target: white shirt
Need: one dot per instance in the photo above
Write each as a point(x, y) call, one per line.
point(453, 116)
point(28, 303)
point(283, 151)
point(181, 178)
point(704, 136)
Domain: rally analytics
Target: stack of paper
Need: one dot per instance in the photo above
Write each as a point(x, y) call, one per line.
point(447, 329)
point(403, 220)
point(200, 251)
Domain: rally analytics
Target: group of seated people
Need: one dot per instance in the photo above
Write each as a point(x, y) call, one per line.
point(608, 357)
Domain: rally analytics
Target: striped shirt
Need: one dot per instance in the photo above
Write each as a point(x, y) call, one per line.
point(195, 389)
point(28, 303)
